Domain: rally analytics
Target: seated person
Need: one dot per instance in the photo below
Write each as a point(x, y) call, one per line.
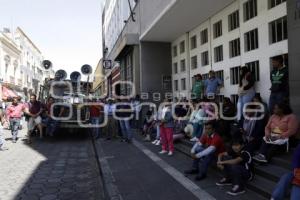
point(292, 178)
point(227, 117)
point(237, 167)
point(206, 150)
point(282, 125)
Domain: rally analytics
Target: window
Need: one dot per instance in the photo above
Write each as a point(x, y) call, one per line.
point(220, 98)
point(278, 30)
point(205, 76)
point(182, 66)
point(194, 62)
point(174, 51)
point(194, 42)
point(254, 68)
point(204, 58)
point(175, 68)
point(183, 84)
point(182, 47)
point(234, 48)
point(250, 9)
point(235, 75)
point(233, 21)
point(176, 85)
point(234, 98)
point(251, 40)
point(204, 36)
point(219, 53)
point(273, 3)
point(220, 75)
point(218, 29)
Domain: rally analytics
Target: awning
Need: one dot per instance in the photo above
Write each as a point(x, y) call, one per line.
point(7, 93)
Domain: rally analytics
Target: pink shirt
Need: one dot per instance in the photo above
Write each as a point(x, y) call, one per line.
point(288, 125)
point(15, 111)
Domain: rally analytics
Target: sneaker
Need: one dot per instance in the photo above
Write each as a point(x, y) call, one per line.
point(194, 139)
point(170, 153)
point(191, 171)
point(260, 158)
point(163, 152)
point(223, 182)
point(236, 190)
point(154, 142)
point(157, 143)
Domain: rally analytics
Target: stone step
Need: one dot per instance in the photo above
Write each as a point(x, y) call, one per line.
point(270, 171)
point(261, 186)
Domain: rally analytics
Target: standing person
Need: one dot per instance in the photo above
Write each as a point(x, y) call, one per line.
point(35, 108)
point(198, 88)
point(290, 179)
point(211, 85)
point(137, 109)
point(112, 125)
point(280, 82)
point(14, 113)
point(166, 130)
point(95, 113)
point(52, 124)
point(205, 151)
point(125, 112)
point(246, 90)
point(2, 147)
point(237, 166)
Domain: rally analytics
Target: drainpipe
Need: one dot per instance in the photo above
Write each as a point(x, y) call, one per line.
point(188, 64)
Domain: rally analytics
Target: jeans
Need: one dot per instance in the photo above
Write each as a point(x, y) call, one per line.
point(51, 126)
point(14, 127)
point(1, 137)
point(277, 97)
point(282, 187)
point(157, 132)
point(244, 99)
point(197, 130)
point(269, 150)
point(205, 162)
point(237, 174)
point(126, 130)
point(95, 129)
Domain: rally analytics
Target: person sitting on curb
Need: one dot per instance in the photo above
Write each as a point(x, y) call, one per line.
point(291, 178)
point(237, 166)
point(206, 150)
point(282, 125)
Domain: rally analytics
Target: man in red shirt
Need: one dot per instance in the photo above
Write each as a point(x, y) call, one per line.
point(14, 113)
point(96, 113)
point(205, 151)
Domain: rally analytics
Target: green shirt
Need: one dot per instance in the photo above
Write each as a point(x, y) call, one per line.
point(197, 90)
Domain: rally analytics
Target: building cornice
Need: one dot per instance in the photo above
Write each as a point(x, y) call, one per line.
point(23, 33)
point(10, 44)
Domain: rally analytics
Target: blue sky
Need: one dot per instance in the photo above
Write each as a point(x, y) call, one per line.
point(68, 32)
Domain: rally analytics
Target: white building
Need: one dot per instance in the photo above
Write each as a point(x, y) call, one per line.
point(246, 32)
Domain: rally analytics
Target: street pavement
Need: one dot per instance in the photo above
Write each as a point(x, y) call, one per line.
point(59, 168)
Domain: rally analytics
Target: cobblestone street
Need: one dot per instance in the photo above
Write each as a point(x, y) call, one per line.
point(59, 168)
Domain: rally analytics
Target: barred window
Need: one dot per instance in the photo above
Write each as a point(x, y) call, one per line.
point(250, 9)
point(204, 58)
point(234, 48)
point(234, 20)
point(218, 53)
point(176, 85)
point(194, 62)
point(182, 47)
point(274, 3)
point(194, 42)
point(175, 66)
point(235, 75)
point(204, 36)
point(183, 84)
point(174, 51)
point(218, 29)
point(182, 66)
point(254, 68)
point(205, 76)
point(220, 74)
point(278, 30)
point(251, 40)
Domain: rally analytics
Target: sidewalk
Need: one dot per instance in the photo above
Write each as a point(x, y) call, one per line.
point(131, 175)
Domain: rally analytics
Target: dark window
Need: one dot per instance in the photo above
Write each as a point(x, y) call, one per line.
point(194, 62)
point(174, 51)
point(183, 84)
point(234, 48)
point(251, 40)
point(254, 68)
point(234, 75)
point(273, 3)
point(278, 30)
point(176, 85)
point(234, 98)
point(219, 53)
point(194, 42)
point(234, 21)
point(182, 66)
point(218, 29)
point(205, 76)
point(204, 36)
point(250, 9)
point(204, 58)
point(220, 75)
point(182, 47)
point(175, 66)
